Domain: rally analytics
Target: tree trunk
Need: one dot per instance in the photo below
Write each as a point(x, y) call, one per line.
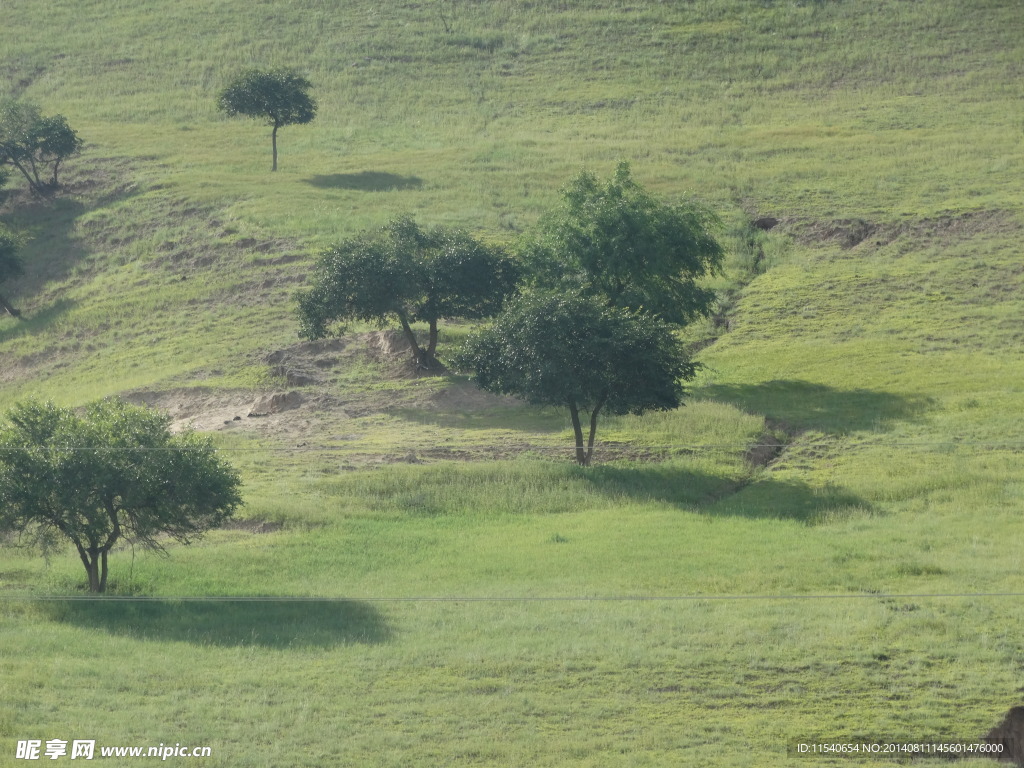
point(432, 343)
point(95, 562)
point(53, 180)
point(4, 304)
point(33, 183)
point(103, 571)
point(94, 578)
point(582, 455)
point(585, 452)
point(417, 353)
point(90, 559)
point(273, 143)
point(593, 427)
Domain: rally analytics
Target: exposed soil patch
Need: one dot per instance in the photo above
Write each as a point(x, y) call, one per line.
point(464, 396)
point(21, 368)
point(200, 408)
point(305, 402)
point(393, 350)
point(849, 233)
point(764, 451)
point(301, 364)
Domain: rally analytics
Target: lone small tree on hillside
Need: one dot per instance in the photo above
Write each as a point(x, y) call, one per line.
point(35, 145)
point(406, 273)
point(615, 241)
point(278, 96)
point(115, 472)
point(574, 351)
point(10, 266)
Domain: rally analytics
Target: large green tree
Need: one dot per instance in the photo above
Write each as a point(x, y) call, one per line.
point(34, 144)
point(574, 351)
point(615, 241)
point(114, 472)
point(407, 273)
point(279, 97)
point(10, 265)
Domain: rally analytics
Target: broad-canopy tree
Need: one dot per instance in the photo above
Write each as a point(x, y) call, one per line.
point(35, 145)
point(10, 265)
point(615, 241)
point(574, 351)
point(115, 472)
point(410, 274)
point(278, 97)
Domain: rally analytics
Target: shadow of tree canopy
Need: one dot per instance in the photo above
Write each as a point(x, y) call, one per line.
point(54, 248)
point(804, 405)
point(366, 181)
point(33, 322)
point(51, 251)
point(273, 623)
point(769, 499)
point(723, 496)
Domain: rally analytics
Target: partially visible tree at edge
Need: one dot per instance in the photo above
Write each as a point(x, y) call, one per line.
point(278, 97)
point(35, 145)
point(10, 266)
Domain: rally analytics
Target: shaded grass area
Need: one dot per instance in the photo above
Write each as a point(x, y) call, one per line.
point(367, 181)
point(805, 405)
point(266, 623)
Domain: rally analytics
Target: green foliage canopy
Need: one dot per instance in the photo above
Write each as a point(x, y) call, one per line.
point(114, 472)
point(278, 96)
point(35, 145)
point(616, 241)
point(411, 274)
point(574, 351)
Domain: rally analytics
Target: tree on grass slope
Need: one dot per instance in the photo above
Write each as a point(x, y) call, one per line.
point(573, 351)
point(278, 97)
point(115, 472)
point(406, 273)
point(35, 145)
point(615, 241)
point(10, 266)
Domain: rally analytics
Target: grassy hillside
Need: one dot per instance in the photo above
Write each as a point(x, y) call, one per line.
point(465, 595)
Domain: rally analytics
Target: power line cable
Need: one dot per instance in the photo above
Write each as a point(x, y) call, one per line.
point(507, 599)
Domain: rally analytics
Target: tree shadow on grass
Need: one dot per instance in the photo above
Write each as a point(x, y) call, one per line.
point(51, 251)
point(804, 405)
point(34, 322)
point(769, 499)
point(724, 496)
point(54, 247)
point(366, 181)
point(272, 623)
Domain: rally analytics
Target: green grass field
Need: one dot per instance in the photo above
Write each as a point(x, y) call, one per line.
point(437, 584)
